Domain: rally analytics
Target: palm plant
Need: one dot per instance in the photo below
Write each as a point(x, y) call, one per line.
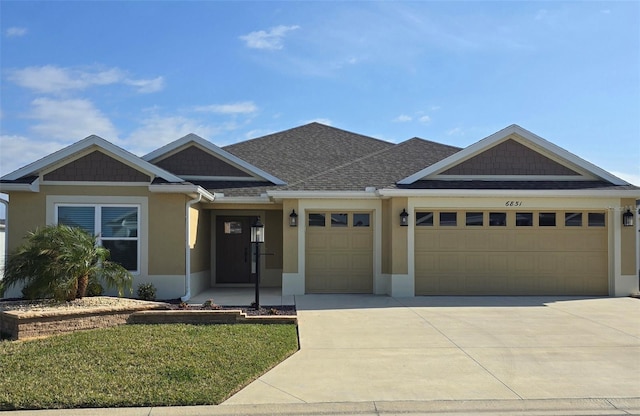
point(59, 261)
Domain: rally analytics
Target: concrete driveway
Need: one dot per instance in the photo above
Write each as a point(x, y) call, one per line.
point(357, 348)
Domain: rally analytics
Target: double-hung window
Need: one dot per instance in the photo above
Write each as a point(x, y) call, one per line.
point(115, 225)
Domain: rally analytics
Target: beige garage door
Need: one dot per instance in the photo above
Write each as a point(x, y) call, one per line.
point(511, 253)
point(339, 252)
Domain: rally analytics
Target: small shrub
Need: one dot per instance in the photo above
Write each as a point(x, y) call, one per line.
point(273, 311)
point(147, 291)
point(95, 289)
point(183, 305)
point(209, 304)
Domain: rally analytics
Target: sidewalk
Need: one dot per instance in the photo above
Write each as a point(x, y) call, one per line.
point(547, 407)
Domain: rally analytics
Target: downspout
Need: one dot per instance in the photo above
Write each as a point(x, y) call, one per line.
point(187, 258)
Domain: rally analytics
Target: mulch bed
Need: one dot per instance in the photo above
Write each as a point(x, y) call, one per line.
point(265, 310)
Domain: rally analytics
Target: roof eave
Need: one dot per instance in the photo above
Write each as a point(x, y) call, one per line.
point(188, 189)
point(21, 187)
point(512, 193)
point(368, 194)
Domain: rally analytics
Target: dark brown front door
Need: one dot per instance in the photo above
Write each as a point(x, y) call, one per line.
point(233, 250)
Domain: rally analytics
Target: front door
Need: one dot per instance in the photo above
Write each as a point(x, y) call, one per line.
point(233, 250)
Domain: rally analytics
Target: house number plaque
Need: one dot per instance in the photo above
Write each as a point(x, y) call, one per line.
point(513, 204)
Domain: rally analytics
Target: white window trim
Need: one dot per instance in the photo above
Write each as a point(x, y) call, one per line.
point(52, 201)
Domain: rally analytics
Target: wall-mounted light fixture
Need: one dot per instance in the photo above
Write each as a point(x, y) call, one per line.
point(293, 219)
point(627, 218)
point(404, 218)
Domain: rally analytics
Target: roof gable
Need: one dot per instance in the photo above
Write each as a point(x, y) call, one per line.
point(514, 154)
point(509, 157)
point(96, 167)
point(193, 157)
point(85, 146)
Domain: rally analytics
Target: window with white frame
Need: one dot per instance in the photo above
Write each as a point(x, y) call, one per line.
point(115, 225)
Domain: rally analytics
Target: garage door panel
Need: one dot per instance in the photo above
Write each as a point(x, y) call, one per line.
point(339, 259)
point(361, 242)
point(474, 262)
point(339, 241)
point(497, 262)
point(317, 241)
point(519, 260)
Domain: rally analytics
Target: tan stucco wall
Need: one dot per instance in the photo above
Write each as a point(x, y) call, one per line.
point(167, 234)
point(200, 239)
point(273, 240)
point(398, 236)
point(628, 244)
point(26, 212)
point(290, 237)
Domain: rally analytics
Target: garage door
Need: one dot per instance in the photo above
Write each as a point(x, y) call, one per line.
point(339, 252)
point(511, 253)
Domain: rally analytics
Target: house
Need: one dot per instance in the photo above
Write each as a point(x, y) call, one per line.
point(512, 214)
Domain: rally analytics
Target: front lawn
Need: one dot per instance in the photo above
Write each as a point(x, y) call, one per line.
point(140, 365)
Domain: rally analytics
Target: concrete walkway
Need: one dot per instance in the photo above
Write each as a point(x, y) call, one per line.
point(365, 348)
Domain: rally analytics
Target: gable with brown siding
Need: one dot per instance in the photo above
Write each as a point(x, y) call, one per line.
point(194, 161)
point(96, 167)
point(510, 158)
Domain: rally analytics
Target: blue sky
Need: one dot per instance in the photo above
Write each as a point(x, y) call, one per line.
point(141, 74)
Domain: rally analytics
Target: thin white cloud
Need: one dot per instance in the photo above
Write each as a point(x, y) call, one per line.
point(18, 151)
point(156, 131)
point(16, 32)
point(456, 131)
point(51, 79)
point(270, 40)
point(402, 118)
point(146, 85)
point(425, 119)
point(245, 107)
point(69, 119)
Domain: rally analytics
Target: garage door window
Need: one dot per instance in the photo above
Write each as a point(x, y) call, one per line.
point(361, 220)
point(596, 219)
point(448, 219)
point(316, 220)
point(547, 219)
point(474, 219)
point(339, 220)
point(573, 219)
point(424, 219)
point(524, 219)
point(497, 219)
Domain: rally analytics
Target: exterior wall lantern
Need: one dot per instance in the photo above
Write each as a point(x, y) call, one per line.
point(404, 218)
point(627, 218)
point(257, 237)
point(293, 219)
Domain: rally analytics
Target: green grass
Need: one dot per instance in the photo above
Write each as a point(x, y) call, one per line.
point(140, 365)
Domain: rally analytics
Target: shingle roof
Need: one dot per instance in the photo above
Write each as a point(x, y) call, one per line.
point(305, 151)
point(380, 169)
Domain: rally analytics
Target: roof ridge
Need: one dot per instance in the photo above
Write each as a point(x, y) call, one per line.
point(351, 162)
